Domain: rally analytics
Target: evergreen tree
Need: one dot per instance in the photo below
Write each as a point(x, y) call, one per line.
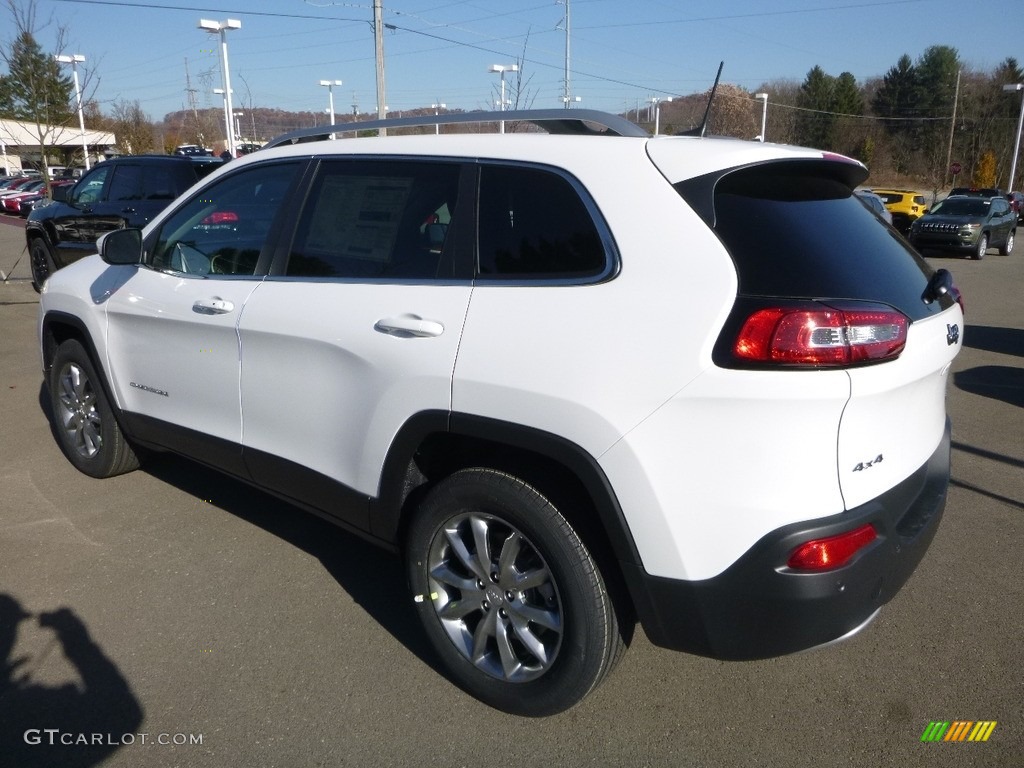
point(816, 122)
point(898, 96)
point(846, 96)
point(37, 90)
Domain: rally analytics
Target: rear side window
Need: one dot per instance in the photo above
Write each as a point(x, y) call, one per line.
point(533, 224)
point(160, 182)
point(796, 231)
point(126, 183)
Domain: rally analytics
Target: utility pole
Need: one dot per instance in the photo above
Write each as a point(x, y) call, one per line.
point(952, 127)
point(378, 40)
point(567, 95)
point(192, 99)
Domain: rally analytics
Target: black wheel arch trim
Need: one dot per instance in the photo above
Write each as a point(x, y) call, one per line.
point(81, 332)
point(397, 476)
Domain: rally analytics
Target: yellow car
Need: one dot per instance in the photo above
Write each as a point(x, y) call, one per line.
point(905, 205)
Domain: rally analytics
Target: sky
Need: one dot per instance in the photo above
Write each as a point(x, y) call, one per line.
point(621, 52)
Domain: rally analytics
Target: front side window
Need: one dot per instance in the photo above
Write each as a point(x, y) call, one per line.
point(534, 225)
point(223, 229)
point(90, 188)
point(385, 219)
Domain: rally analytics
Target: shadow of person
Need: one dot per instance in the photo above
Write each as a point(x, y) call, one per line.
point(69, 725)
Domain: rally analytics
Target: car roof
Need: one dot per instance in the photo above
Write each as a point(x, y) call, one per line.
point(568, 143)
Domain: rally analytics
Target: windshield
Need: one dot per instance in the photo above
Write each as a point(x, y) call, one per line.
point(962, 207)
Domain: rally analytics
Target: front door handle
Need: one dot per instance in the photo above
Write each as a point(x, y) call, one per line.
point(409, 326)
point(212, 306)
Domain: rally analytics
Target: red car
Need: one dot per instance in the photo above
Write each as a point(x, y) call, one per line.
point(9, 195)
point(23, 203)
point(10, 200)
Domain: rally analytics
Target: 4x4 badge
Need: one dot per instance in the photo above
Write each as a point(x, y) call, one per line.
point(952, 334)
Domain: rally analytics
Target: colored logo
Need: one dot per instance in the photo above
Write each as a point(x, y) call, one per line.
point(959, 730)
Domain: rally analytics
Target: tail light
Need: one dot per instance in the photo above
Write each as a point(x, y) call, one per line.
point(820, 335)
point(831, 552)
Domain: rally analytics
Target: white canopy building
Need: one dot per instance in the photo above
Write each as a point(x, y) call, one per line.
point(20, 140)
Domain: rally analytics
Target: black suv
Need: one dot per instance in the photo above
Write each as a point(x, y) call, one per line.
point(123, 192)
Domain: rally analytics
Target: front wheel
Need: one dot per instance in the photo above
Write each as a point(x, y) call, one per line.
point(86, 428)
point(509, 595)
point(979, 251)
point(1007, 246)
point(41, 259)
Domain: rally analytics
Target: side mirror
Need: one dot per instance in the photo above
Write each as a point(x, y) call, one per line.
point(60, 192)
point(122, 246)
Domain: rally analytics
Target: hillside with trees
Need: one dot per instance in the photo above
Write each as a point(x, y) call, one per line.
point(907, 124)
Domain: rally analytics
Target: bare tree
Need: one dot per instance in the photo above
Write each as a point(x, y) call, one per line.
point(133, 128)
point(35, 90)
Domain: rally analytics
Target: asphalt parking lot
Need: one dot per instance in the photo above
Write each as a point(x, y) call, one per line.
point(188, 620)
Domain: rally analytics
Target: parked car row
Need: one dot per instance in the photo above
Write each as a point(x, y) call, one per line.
point(21, 201)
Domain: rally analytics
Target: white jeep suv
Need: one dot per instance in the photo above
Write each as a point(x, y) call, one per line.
point(577, 379)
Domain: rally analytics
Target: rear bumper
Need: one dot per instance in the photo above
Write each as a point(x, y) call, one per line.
point(759, 608)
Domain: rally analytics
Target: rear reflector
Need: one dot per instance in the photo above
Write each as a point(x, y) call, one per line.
point(821, 335)
point(822, 554)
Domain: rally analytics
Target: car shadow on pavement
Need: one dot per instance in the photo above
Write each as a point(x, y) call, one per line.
point(347, 558)
point(999, 382)
point(1004, 341)
point(72, 724)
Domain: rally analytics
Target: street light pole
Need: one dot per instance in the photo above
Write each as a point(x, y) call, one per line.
point(657, 114)
point(1012, 88)
point(73, 61)
point(222, 27)
point(501, 69)
point(224, 105)
point(330, 96)
point(435, 107)
point(763, 98)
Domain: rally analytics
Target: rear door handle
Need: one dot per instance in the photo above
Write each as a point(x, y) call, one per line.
point(212, 306)
point(409, 326)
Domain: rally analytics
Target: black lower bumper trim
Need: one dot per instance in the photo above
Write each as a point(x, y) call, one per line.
point(760, 608)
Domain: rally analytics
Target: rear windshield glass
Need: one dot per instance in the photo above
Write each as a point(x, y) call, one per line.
point(796, 234)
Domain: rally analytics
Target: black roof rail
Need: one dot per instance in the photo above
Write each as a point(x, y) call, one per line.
point(574, 122)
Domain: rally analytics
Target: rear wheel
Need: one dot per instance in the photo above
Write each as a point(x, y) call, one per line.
point(508, 594)
point(87, 431)
point(41, 259)
point(979, 251)
point(1007, 246)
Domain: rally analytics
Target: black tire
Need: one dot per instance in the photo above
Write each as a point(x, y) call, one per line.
point(979, 251)
point(1006, 247)
point(526, 626)
point(87, 431)
point(41, 259)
